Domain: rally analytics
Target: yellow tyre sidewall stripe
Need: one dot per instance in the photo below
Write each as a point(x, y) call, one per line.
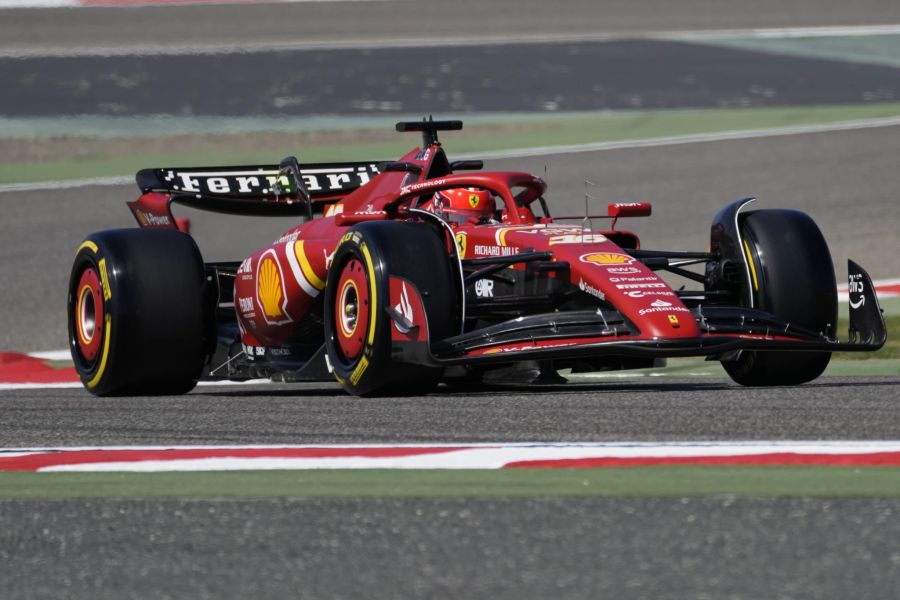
point(89, 245)
point(107, 322)
point(92, 383)
point(373, 292)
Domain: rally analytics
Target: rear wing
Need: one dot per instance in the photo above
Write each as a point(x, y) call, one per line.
point(256, 189)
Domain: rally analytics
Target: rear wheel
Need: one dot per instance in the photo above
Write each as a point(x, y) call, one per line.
point(136, 312)
point(357, 324)
point(792, 277)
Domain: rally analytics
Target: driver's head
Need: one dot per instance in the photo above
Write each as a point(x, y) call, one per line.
point(462, 205)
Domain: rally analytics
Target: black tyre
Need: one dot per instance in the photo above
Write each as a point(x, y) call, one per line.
point(357, 325)
point(136, 312)
point(792, 277)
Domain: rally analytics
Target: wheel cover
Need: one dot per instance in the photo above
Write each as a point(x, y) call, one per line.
point(89, 314)
point(352, 309)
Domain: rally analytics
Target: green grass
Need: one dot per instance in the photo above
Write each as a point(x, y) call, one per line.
point(502, 133)
point(638, 481)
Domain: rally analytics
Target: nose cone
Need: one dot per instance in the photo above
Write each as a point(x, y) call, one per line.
point(636, 291)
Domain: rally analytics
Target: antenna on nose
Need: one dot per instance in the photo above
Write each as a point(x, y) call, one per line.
point(586, 224)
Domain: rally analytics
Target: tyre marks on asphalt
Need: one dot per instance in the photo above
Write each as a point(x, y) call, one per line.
point(516, 77)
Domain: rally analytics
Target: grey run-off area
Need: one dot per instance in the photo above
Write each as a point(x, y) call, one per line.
point(473, 548)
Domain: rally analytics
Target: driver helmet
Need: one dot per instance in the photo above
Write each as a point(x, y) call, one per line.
point(460, 205)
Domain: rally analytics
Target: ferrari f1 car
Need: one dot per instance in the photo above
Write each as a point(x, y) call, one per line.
point(391, 284)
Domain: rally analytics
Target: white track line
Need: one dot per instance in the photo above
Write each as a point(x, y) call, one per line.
point(744, 134)
point(468, 456)
point(51, 355)
point(66, 184)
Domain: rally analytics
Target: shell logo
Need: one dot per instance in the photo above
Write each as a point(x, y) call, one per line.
point(270, 290)
point(607, 258)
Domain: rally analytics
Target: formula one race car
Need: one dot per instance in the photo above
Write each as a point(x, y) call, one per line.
point(405, 274)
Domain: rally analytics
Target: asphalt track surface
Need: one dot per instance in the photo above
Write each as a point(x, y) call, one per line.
point(566, 548)
point(714, 547)
point(392, 21)
point(471, 548)
point(637, 410)
point(572, 76)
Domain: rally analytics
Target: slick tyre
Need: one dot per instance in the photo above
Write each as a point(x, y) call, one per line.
point(792, 277)
point(136, 312)
point(357, 324)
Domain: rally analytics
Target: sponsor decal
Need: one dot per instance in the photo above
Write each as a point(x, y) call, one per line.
point(657, 309)
point(270, 292)
point(473, 200)
point(246, 266)
point(496, 250)
point(368, 210)
point(246, 305)
point(528, 347)
point(253, 351)
point(624, 279)
point(329, 258)
point(622, 270)
point(265, 180)
point(422, 186)
point(352, 235)
point(104, 280)
point(632, 286)
point(659, 303)
point(461, 244)
point(645, 293)
point(607, 258)
point(543, 229)
point(150, 220)
point(856, 286)
point(578, 238)
point(673, 319)
point(484, 288)
point(404, 308)
point(589, 289)
point(289, 237)
point(357, 373)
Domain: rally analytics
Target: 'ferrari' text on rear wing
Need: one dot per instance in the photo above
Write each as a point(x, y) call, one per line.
point(324, 181)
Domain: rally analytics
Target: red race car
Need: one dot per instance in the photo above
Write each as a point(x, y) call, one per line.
point(408, 273)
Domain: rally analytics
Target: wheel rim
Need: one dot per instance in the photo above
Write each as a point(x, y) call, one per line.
point(352, 309)
point(89, 314)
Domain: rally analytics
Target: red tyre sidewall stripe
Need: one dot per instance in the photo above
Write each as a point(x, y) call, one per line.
point(89, 283)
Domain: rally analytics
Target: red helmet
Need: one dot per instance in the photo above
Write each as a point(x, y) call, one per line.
point(459, 205)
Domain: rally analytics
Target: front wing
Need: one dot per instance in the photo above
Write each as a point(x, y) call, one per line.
point(725, 331)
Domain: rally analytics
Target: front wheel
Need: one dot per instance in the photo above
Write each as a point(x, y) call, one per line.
point(136, 312)
point(357, 302)
point(791, 276)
